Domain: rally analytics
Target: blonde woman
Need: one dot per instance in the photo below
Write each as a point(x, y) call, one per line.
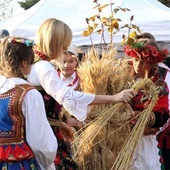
point(54, 37)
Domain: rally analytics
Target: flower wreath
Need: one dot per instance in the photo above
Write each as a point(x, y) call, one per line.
point(147, 52)
point(27, 42)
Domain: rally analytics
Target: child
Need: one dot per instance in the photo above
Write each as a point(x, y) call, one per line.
point(26, 138)
point(145, 58)
point(67, 73)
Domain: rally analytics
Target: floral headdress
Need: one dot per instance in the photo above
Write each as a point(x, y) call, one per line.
point(27, 42)
point(147, 52)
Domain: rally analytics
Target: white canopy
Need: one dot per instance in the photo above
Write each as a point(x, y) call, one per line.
point(150, 15)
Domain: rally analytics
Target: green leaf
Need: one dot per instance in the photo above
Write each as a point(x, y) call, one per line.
point(116, 10)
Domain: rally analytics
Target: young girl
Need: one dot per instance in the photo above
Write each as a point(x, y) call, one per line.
point(54, 37)
point(68, 74)
point(67, 69)
point(145, 57)
point(26, 139)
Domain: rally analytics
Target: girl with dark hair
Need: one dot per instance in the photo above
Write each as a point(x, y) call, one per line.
point(27, 141)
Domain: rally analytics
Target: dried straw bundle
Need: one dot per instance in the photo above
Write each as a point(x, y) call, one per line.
point(102, 140)
point(124, 158)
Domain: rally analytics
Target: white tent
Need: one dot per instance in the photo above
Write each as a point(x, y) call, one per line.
point(150, 15)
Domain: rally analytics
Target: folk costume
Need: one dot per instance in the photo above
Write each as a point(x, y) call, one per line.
point(71, 81)
point(23, 139)
point(55, 94)
point(147, 155)
point(163, 138)
point(164, 134)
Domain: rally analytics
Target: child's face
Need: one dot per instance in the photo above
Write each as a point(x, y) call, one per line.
point(141, 67)
point(69, 64)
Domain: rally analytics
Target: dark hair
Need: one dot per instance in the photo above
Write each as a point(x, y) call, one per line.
point(149, 41)
point(13, 53)
point(144, 35)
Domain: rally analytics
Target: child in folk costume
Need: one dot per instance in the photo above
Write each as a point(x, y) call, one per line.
point(26, 139)
point(54, 37)
point(145, 57)
point(163, 135)
point(68, 74)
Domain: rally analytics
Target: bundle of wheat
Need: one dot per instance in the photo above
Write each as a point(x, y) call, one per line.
point(105, 139)
point(124, 158)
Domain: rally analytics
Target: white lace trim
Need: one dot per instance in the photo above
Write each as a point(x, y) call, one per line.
point(76, 103)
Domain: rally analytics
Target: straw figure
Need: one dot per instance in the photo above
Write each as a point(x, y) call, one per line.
point(108, 141)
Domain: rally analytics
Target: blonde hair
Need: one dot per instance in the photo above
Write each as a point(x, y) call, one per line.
point(53, 37)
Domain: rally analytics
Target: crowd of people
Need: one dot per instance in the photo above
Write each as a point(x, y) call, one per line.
point(41, 105)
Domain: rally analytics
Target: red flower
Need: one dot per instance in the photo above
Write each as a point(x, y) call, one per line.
point(57, 160)
point(154, 52)
point(165, 52)
point(59, 136)
point(148, 52)
point(133, 53)
point(64, 154)
point(145, 53)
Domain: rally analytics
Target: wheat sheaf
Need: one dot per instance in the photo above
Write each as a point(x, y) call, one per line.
point(107, 141)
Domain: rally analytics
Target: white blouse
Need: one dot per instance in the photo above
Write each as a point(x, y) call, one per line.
point(75, 102)
point(69, 80)
point(39, 134)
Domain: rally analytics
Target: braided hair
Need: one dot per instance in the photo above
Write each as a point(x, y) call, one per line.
point(14, 50)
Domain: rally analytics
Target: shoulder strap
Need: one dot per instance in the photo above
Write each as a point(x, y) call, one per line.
point(25, 87)
point(39, 88)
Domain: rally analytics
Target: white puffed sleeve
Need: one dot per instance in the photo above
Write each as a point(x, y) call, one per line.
point(76, 103)
point(39, 134)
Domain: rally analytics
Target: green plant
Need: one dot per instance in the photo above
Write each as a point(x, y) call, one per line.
point(100, 24)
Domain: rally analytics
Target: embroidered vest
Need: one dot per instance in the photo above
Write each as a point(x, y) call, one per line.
point(13, 145)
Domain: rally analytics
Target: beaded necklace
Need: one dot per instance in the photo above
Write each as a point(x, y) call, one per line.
point(40, 54)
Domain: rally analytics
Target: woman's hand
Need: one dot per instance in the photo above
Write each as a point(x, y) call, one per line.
point(124, 96)
point(74, 123)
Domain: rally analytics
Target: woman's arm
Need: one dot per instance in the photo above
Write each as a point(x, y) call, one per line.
point(74, 102)
point(123, 96)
